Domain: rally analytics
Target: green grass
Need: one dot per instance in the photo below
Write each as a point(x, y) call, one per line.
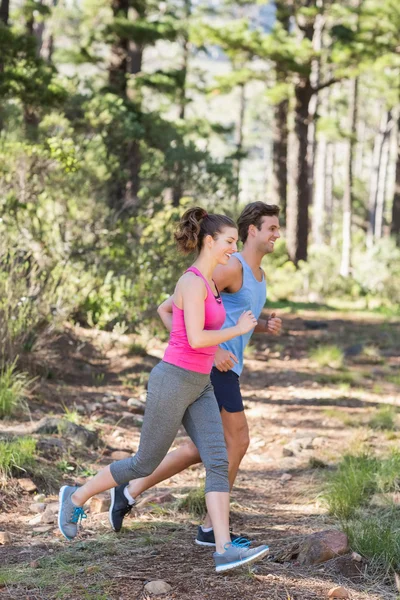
point(327, 356)
point(342, 416)
point(16, 456)
point(13, 389)
point(351, 485)
point(373, 531)
point(194, 503)
point(344, 377)
point(376, 536)
point(394, 379)
point(137, 349)
point(384, 419)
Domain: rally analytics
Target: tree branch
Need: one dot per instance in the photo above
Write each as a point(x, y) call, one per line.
point(326, 84)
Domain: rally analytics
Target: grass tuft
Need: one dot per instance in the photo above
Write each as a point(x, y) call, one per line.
point(137, 349)
point(194, 503)
point(13, 389)
point(351, 485)
point(16, 456)
point(384, 419)
point(328, 356)
point(373, 529)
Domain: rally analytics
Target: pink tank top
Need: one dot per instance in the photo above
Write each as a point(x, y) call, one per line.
point(179, 352)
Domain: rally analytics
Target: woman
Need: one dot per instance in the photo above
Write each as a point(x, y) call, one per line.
point(180, 392)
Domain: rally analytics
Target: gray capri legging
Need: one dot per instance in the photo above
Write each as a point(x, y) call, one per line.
point(177, 396)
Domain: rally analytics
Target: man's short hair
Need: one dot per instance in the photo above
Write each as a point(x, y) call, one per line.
point(252, 214)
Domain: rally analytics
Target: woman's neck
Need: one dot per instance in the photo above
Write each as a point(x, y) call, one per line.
point(206, 266)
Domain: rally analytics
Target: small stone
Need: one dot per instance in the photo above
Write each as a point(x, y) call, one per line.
point(35, 520)
point(48, 517)
point(39, 498)
point(5, 538)
point(287, 451)
point(158, 587)
point(37, 507)
point(338, 592)
point(120, 454)
point(27, 485)
point(355, 556)
point(52, 507)
point(42, 529)
point(100, 504)
point(34, 564)
point(92, 569)
point(286, 477)
point(156, 499)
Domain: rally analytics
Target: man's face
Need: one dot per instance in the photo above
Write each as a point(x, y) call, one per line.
point(267, 235)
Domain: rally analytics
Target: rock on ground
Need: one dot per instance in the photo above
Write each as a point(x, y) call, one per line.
point(322, 546)
point(158, 587)
point(338, 593)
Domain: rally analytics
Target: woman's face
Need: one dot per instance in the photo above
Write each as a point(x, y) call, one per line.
point(224, 245)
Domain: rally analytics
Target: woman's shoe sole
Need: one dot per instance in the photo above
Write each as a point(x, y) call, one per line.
point(238, 563)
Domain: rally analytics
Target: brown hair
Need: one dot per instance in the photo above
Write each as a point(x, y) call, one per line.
point(252, 214)
point(195, 224)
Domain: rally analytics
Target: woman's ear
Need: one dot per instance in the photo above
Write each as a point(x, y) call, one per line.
point(208, 241)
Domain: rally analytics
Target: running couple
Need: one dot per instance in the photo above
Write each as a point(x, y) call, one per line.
point(179, 388)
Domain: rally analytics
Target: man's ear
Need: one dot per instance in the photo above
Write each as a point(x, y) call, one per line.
point(251, 230)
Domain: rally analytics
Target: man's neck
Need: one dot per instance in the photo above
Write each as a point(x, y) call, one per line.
point(252, 257)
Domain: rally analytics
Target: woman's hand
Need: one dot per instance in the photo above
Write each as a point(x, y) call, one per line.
point(246, 322)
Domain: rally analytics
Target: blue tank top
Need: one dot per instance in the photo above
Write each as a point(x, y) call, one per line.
point(251, 296)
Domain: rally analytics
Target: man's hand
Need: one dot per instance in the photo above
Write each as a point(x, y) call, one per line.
point(274, 325)
point(224, 360)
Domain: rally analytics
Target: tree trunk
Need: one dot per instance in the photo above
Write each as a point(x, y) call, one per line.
point(118, 67)
point(4, 11)
point(395, 225)
point(329, 182)
point(379, 144)
point(319, 193)
point(348, 196)
point(280, 126)
point(300, 192)
point(383, 180)
point(279, 156)
point(177, 190)
point(125, 60)
point(239, 139)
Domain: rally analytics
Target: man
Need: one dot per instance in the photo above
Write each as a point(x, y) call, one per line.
point(243, 287)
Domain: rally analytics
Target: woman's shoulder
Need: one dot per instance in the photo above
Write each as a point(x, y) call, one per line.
point(189, 281)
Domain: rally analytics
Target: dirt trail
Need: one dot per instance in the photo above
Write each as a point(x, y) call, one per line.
point(288, 399)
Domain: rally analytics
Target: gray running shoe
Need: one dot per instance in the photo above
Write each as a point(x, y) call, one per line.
point(237, 555)
point(69, 515)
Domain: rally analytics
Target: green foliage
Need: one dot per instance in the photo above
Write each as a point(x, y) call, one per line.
point(14, 387)
point(384, 418)
point(16, 456)
point(328, 356)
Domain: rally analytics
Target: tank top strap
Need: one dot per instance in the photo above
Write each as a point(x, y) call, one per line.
point(196, 271)
point(246, 267)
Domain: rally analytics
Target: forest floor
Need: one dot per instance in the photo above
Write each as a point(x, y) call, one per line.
point(88, 376)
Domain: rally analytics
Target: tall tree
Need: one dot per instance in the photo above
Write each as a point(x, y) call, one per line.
point(348, 195)
point(280, 130)
point(395, 225)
